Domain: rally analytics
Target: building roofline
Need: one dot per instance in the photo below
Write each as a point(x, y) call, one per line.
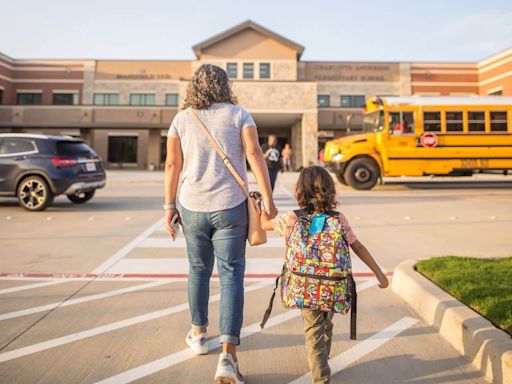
point(3, 56)
point(494, 57)
point(197, 48)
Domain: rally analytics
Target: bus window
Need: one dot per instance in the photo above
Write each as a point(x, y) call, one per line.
point(454, 121)
point(373, 122)
point(476, 121)
point(432, 121)
point(498, 121)
point(401, 123)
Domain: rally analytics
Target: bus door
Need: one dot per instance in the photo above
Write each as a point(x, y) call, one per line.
point(402, 141)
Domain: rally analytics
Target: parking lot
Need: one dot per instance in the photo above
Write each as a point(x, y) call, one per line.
point(97, 292)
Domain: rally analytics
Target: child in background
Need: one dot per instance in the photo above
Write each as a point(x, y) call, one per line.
point(316, 195)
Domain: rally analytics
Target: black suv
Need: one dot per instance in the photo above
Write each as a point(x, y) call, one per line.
point(36, 168)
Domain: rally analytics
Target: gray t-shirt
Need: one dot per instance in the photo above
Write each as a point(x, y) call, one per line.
point(206, 183)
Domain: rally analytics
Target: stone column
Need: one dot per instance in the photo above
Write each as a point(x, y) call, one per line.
point(296, 143)
point(309, 130)
point(154, 148)
point(99, 142)
point(142, 149)
point(405, 79)
point(88, 85)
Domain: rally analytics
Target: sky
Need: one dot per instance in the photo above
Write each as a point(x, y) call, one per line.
point(393, 30)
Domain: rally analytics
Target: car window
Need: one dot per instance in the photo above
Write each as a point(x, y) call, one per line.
point(12, 146)
point(73, 148)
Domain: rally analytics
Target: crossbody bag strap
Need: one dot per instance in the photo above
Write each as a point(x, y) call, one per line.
point(219, 150)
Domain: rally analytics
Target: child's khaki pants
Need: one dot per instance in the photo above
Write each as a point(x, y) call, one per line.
point(318, 332)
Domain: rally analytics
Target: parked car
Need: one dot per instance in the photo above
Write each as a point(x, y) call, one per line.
point(36, 168)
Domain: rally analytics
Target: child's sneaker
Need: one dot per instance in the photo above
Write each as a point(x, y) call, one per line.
point(197, 343)
point(228, 371)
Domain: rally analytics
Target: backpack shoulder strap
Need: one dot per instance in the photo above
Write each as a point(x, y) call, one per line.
point(271, 302)
point(299, 212)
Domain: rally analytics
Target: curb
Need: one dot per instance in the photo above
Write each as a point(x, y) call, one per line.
point(475, 338)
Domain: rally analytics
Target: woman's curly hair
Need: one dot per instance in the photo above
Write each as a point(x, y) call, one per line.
point(210, 84)
point(315, 190)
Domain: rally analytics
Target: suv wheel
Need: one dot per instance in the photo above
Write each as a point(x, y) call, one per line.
point(362, 173)
point(80, 198)
point(34, 193)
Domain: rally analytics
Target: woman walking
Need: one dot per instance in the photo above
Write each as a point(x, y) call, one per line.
point(212, 207)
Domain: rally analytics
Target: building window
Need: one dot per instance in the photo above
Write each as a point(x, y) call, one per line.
point(264, 70)
point(142, 99)
point(352, 101)
point(432, 121)
point(1, 96)
point(476, 121)
point(29, 98)
point(65, 98)
point(232, 70)
point(106, 99)
point(498, 121)
point(323, 101)
point(248, 70)
point(171, 99)
point(122, 149)
point(454, 121)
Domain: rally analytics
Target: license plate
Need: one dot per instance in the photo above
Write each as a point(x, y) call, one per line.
point(90, 167)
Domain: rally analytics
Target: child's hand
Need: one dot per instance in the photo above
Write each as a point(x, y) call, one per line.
point(383, 280)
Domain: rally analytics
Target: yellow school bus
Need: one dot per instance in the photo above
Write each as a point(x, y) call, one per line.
point(416, 136)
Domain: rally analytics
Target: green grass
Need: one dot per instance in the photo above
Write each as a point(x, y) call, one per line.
point(483, 284)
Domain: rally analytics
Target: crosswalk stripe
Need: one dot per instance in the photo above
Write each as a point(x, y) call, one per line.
point(28, 350)
point(186, 354)
point(165, 242)
point(30, 286)
point(363, 348)
point(254, 266)
point(84, 299)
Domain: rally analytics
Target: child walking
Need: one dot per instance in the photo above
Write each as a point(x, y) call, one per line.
point(316, 196)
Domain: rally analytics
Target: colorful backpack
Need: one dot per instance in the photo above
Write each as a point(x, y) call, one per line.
point(317, 274)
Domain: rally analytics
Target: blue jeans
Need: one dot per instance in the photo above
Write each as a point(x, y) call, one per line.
point(217, 235)
point(273, 176)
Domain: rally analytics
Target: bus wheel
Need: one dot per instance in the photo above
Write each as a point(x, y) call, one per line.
point(340, 178)
point(362, 174)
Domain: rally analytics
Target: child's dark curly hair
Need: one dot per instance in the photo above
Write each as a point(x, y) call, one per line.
point(315, 190)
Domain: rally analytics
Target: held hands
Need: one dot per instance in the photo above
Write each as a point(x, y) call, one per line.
point(171, 217)
point(269, 208)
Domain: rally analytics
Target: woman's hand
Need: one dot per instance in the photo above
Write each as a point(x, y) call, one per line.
point(270, 207)
point(383, 280)
point(170, 215)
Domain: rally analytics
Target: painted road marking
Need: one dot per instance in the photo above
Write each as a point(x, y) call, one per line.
point(363, 348)
point(164, 242)
point(127, 248)
point(16, 353)
point(185, 354)
point(30, 286)
point(254, 266)
point(61, 304)
point(138, 277)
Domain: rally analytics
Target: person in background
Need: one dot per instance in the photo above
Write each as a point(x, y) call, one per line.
point(271, 154)
point(286, 154)
point(321, 154)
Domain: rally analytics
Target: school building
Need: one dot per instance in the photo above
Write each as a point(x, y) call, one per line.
point(123, 108)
